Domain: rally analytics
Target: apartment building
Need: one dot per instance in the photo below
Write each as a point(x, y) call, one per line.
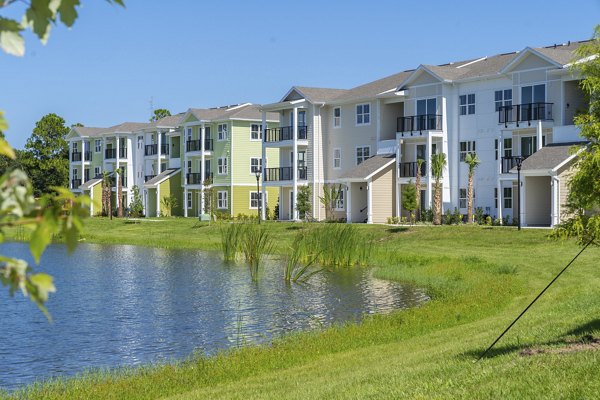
point(506, 107)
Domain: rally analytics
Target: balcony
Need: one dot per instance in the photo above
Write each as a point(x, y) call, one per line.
point(195, 145)
point(284, 133)
point(409, 169)
point(195, 178)
point(419, 123)
point(509, 163)
point(284, 174)
point(525, 113)
point(75, 183)
point(76, 156)
point(110, 154)
point(152, 149)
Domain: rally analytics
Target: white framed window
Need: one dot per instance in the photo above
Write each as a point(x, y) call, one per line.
point(337, 117)
point(189, 200)
point(98, 145)
point(495, 197)
point(337, 158)
point(502, 98)
point(467, 104)
point(495, 149)
point(256, 199)
point(533, 94)
point(508, 147)
point(222, 200)
point(97, 171)
point(338, 204)
point(363, 114)
point(508, 201)
point(74, 173)
point(189, 134)
point(255, 132)
point(222, 132)
point(222, 166)
point(462, 198)
point(189, 167)
point(255, 165)
point(362, 153)
point(466, 148)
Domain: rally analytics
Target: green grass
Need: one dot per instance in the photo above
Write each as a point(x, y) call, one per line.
point(479, 279)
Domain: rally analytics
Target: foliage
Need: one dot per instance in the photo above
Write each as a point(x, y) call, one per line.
point(119, 181)
point(106, 194)
point(46, 155)
point(297, 267)
point(160, 114)
point(409, 200)
point(136, 208)
point(331, 193)
point(472, 162)
point(230, 240)
point(255, 243)
point(418, 188)
point(438, 164)
point(303, 202)
point(583, 208)
point(276, 210)
point(338, 245)
point(168, 204)
point(479, 216)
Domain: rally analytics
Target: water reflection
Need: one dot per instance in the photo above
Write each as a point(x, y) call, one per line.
point(127, 305)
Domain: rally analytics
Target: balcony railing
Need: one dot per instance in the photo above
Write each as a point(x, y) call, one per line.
point(419, 123)
point(195, 145)
point(509, 163)
point(152, 149)
point(148, 177)
point(285, 133)
point(195, 178)
point(284, 174)
point(525, 113)
point(76, 156)
point(87, 155)
point(75, 183)
point(110, 154)
point(409, 169)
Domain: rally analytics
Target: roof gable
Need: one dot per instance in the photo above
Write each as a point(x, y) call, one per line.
point(421, 76)
point(530, 59)
point(293, 94)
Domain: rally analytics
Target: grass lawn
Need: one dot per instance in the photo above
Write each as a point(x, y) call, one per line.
point(479, 278)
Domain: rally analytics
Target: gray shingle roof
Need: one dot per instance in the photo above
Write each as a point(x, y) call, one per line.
point(549, 157)
point(374, 88)
point(162, 176)
point(247, 111)
point(562, 54)
point(89, 184)
point(126, 127)
point(369, 167)
point(170, 121)
point(85, 131)
point(320, 95)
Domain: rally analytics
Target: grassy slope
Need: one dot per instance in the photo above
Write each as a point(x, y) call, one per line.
point(480, 279)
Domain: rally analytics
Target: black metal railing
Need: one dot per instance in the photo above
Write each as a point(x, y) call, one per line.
point(110, 153)
point(195, 145)
point(285, 133)
point(148, 177)
point(284, 174)
point(510, 162)
point(409, 169)
point(525, 113)
point(419, 123)
point(152, 149)
point(87, 155)
point(122, 152)
point(76, 156)
point(195, 178)
point(75, 183)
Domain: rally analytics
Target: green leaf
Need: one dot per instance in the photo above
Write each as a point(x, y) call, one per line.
point(40, 239)
point(68, 13)
point(11, 42)
point(44, 284)
point(39, 15)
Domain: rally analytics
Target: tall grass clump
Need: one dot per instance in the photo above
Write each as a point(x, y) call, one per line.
point(297, 267)
point(230, 237)
point(255, 242)
point(339, 245)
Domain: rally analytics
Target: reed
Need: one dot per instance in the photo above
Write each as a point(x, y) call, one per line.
point(297, 267)
point(256, 242)
point(338, 245)
point(230, 238)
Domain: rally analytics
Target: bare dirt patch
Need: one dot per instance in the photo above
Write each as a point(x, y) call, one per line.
point(581, 344)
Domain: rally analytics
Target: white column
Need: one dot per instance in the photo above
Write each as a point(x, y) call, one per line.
point(264, 166)
point(522, 200)
point(429, 174)
point(349, 202)
point(498, 172)
point(185, 200)
point(118, 149)
point(158, 200)
point(369, 202)
point(396, 183)
point(104, 155)
point(158, 141)
point(202, 167)
point(82, 161)
point(539, 135)
point(117, 177)
point(295, 166)
point(184, 171)
point(555, 201)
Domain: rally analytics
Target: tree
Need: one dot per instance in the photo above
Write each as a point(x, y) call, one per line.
point(46, 155)
point(106, 194)
point(168, 203)
point(583, 202)
point(331, 194)
point(409, 200)
point(119, 183)
point(159, 114)
point(438, 163)
point(472, 161)
point(418, 188)
point(136, 208)
point(303, 201)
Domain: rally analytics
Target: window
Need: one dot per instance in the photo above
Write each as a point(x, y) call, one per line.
point(256, 200)
point(462, 198)
point(508, 201)
point(339, 202)
point(255, 132)
point(222, 166)
point(465, 148)
point(222, 132)
point(189, 134)
point(502, 98)
point(508, 147)
point(533, 94)
point(222, 200)
point(98, 145)
point(255, 165)
point(363, 114)
point(337, 158)
point(496, 149)
point(362, 153)
point(97, 171)
point(189, 200)
point(495, 197)
point(467, 104)
point(337, 117)
point(74, 173)
point(189, 167)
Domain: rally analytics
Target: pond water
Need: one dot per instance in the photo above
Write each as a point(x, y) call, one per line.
point(127, 305)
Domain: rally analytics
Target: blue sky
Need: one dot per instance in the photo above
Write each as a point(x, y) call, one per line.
point(181, 54)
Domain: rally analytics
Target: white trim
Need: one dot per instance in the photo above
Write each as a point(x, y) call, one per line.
point(356, 114)
point(340, 158)
point(356, 154)
point(334, 117)
point(260, 133)
point(259, 199)
point(528, 50)
point(225, 200)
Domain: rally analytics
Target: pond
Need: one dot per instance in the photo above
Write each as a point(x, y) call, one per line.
point(127, 305)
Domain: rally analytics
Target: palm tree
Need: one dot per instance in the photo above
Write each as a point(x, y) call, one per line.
point(438, 163)
point(472, 161)
point(418, 188)
point(106, 194)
